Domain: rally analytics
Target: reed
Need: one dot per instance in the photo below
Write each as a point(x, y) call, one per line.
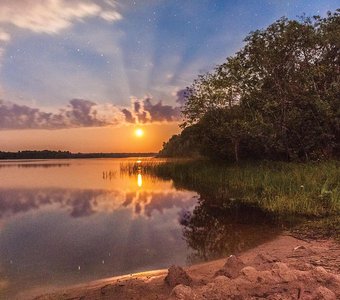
point(309, 189)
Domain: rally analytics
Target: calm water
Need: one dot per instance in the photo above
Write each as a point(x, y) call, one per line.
point(71, 221)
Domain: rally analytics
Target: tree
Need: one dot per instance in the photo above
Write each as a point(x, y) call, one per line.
point(186, 144)
point(224, 131)
point(280, 92)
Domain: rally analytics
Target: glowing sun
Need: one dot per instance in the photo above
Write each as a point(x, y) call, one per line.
point(139, 132)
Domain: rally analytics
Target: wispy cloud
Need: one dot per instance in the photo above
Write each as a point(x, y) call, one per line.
point(49, 16)
point(52, 16)
point(4, 36)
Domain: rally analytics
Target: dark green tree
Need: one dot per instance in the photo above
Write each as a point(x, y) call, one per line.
point(279, 95)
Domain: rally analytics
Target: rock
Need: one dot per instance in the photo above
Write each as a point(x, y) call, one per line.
point(264, 261)
point(182, 292)
point(251, 274)
point(284, 272)
point(322, 275)
point(301, 266)
point(323, 293)
point(231, 268)
point(221, 280)
point(176, 275)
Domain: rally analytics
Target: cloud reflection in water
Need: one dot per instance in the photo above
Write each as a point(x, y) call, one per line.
point(81, 203)
point(46, 234)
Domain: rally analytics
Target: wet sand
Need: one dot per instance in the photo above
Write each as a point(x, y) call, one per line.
point(284, 268)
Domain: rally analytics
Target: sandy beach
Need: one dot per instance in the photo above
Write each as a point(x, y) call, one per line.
point(284, 268)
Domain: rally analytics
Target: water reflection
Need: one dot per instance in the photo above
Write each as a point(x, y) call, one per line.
point(52, 232)
point(80, 203)
point(109, 175)
point(139, 180)
point(87, 220)
point(224, 220)
point(214, 231)
point(29, 164)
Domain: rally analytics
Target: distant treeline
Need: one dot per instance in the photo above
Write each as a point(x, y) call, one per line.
point(47, 154)
point(278, 98)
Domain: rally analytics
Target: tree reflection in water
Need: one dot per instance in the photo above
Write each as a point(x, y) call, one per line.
point(214, 231)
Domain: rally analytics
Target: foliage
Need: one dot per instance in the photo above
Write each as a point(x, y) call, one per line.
point(237, 203)
point(279, 96)
point(281, 188)
point(184, 144)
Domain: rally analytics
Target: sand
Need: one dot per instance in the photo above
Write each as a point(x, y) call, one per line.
point(284, 268)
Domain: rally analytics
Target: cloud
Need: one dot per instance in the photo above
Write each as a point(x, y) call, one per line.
point(128, 115)
point(4, 36)
point(85, 113)
point(79, 113)
point(52, 16)
point(110, 16)
point(181, 96)
point(144, 111)
point(82, 114)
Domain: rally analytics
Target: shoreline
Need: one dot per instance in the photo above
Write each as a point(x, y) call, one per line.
point(296, 257)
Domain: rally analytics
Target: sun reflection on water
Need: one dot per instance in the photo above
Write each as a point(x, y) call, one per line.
point(139, 180)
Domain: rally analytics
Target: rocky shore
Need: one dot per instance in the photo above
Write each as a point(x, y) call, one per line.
point(284, 268)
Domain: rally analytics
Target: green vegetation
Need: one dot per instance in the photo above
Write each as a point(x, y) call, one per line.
point(242, 205)
point(277, 98)
point(276, 187)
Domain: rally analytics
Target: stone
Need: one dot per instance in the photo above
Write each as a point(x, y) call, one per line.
point(222, 280)
point(231, 268)
point(323, 293)
point(177, 275)
point(322, 275)
point(284, 272)
point(251, 274)
point(264, 261)
point(182, 292)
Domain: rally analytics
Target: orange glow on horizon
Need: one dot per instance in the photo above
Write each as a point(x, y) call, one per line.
point(92, 139)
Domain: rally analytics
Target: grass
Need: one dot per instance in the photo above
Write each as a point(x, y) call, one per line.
point(311, 189)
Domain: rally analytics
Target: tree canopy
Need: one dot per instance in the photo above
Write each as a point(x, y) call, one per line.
point(277, 98)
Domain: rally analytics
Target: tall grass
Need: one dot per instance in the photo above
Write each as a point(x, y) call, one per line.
point(311, 189)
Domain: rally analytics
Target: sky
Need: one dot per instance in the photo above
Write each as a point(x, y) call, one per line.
point(83, 75)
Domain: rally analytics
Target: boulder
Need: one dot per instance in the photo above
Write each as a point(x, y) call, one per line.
point(177, 275)
point(251, 274)
point(322, 293)
point(264, 261)
point(231, 268)
point(182, 292)
point(284, 272)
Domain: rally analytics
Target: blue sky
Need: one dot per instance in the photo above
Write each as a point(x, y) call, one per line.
point(114, 52)
point(156, 48)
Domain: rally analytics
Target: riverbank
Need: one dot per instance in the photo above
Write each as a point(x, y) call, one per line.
point(284, 268)
point(281, 188)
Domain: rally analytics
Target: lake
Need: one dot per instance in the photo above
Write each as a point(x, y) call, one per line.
point(64, 222)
